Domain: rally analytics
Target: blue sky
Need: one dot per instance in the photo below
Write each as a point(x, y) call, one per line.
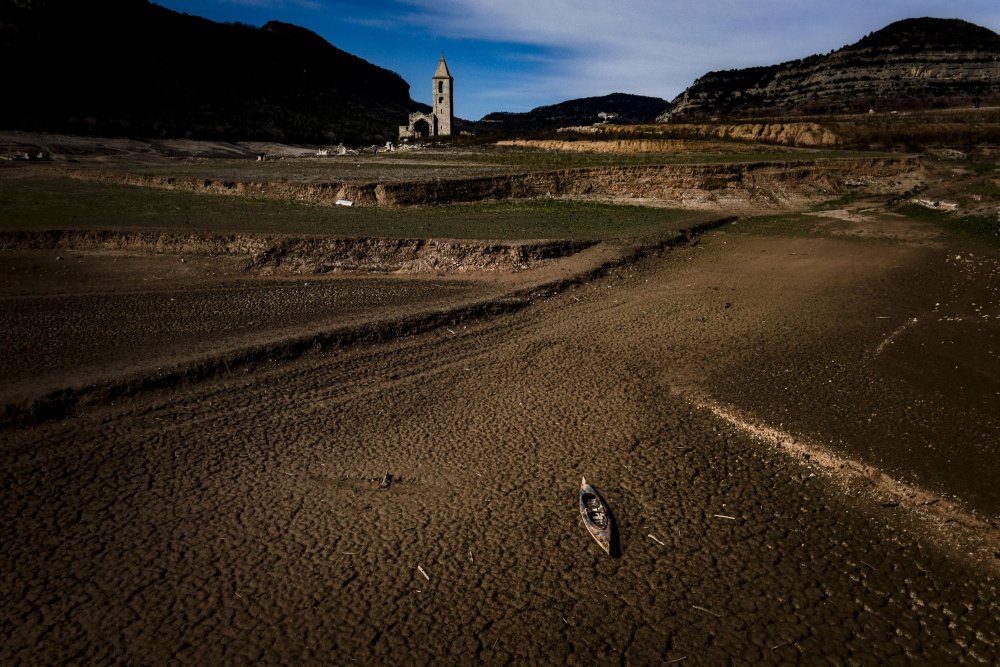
point(514, 55)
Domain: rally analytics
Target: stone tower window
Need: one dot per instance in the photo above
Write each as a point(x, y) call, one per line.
point(440, 86)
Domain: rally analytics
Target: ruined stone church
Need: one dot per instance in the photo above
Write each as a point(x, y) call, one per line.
point(437, 123)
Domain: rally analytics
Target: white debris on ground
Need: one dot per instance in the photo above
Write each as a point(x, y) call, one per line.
point(936, 204)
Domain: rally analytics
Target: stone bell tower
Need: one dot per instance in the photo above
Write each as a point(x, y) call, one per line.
point(443, 100)
point(439, 121)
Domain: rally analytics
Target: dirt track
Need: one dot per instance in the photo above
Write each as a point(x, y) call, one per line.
point(240, 519)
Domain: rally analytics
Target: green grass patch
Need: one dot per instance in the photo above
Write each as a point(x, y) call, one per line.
point(981, 167)
point(431, 164)
point(983, 189)
point(980, 228)
point(781, 224)
point(845, 199)
point(30, 201)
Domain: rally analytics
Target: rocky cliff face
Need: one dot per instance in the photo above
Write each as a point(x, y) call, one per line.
point(912, 64)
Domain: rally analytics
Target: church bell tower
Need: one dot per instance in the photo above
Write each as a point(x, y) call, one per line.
point(443, 100)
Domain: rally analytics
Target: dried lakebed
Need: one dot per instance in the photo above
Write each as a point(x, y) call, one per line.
point(240, 519)
point(89, 316)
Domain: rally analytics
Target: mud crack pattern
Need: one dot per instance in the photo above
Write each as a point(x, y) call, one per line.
point(242, 520)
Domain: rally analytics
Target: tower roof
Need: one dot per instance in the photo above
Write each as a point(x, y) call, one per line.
point(442, 70)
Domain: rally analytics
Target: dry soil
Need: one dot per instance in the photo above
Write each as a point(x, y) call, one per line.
point(241, 519)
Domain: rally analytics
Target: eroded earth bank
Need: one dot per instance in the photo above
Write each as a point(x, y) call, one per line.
point(796, 434)
point(779, 185)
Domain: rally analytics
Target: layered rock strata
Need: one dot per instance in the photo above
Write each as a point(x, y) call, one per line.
point(911, 64)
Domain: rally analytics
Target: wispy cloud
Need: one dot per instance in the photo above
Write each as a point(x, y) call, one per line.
point(276, 4)
point(517, 54)
point(658, 47)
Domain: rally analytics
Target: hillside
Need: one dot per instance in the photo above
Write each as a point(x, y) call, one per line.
point(626, 109)
point(920, 63)
point(130, 67)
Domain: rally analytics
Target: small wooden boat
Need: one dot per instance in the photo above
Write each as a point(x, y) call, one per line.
point(595, 515)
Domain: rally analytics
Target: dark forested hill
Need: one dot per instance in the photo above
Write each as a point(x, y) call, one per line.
point(911, 64)
point(585, 111)
point(130, 67)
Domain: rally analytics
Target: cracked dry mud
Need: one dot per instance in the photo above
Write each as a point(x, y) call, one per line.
point(241, 520)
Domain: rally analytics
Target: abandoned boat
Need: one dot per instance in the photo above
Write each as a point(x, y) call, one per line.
point(595, 515)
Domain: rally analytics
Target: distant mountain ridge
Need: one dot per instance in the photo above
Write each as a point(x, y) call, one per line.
point(134, 68)
point(131, 67)
point(910, 64)
point(616, 107)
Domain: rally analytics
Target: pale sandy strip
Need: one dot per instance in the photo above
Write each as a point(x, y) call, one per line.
point(943, 519)
point(891, 337)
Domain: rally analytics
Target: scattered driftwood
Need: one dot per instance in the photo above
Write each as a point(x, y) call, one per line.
point(707, 611)
point(653, 537)
point(386, 481)
point(421, 571)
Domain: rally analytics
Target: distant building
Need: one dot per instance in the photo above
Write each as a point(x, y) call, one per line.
point(438, 122)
